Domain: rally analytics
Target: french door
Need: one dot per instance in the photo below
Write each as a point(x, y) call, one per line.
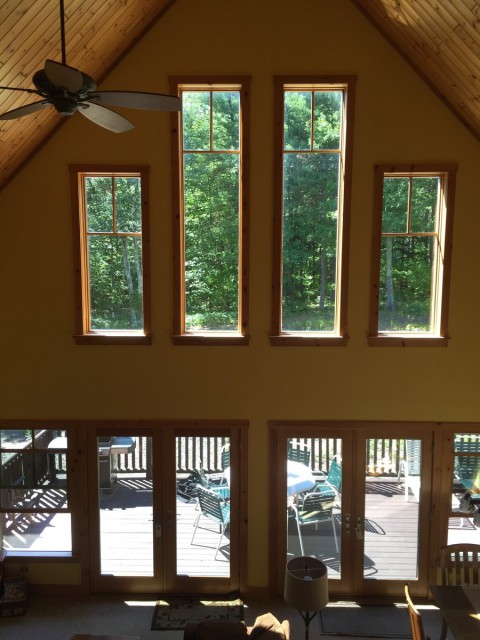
point(147, 531)
point(359, 501)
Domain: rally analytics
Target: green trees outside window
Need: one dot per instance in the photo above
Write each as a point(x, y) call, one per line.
point(312, 151)
point(114, 228)
point(211, 209)
point(111, 262)
point(408, 253)
point(413, 222)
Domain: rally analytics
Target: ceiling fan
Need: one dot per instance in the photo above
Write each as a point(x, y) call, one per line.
point(69, 90)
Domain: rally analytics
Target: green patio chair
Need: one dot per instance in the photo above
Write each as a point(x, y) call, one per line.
point(313, 508)
point(215, 509)
point(299, 454)
point(330, 484)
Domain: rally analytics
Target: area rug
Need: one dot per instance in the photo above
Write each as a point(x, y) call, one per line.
point(176, 613)
point(379, 621)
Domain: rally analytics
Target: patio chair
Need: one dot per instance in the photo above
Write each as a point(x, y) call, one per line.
point(299, 454)
point(411, 468)
point(312, 508)
point(459, 565)
point(416, 623)
point(467, 467)
point(213, 508)
point(330, 484)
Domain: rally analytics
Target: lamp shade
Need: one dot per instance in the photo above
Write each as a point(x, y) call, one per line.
point(306, 584)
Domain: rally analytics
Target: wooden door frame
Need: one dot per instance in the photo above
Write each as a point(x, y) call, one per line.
point(395, 431)
point(435, 489)
point(279, 432)
point(165, 579)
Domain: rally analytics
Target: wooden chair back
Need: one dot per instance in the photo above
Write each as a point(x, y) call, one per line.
point(460, 564)
point(416, 623)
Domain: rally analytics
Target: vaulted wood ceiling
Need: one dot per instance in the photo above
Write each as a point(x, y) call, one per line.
point(440, 39)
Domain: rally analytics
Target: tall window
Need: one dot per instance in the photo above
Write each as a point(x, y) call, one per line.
point(210, 140)
point(413, 221)
point(314, 129)
point(111, 209)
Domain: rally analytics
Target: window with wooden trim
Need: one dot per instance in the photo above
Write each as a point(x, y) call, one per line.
point(413, 214)
point(313, 157)
point(210, 149)
point(35, 512)
point(110, 208)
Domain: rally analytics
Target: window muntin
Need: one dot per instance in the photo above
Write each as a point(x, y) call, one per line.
point(413, 245)
point(112, 227)
point(34, 504)
point(312, 210)
point(212, 225)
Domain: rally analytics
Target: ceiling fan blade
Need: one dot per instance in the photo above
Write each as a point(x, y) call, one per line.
point(137, 100)
point(61, 75)
point(104, 117)
point(25, 110)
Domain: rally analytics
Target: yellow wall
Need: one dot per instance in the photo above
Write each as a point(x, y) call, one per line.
point(398, 119)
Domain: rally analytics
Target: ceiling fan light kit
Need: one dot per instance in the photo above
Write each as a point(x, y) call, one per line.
point(69, 90)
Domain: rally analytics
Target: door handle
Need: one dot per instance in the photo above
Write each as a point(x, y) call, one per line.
point(347, 523)
point(158, 530)
point(359, 528)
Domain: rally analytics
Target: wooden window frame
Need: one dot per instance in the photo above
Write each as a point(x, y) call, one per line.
point(211, 338)
point(70, 486)
point(84, 334)
point(439, 336)
point(339, 336)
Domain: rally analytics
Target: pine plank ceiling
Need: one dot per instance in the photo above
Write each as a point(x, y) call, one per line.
point(439, 38)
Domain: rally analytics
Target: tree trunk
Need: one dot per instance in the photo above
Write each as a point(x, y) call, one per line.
point(128, 275)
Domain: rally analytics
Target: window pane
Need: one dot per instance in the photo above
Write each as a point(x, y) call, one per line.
point(327, 119)
point(425, 193)
point(115, 268)
point(226, 120)
point(310, 217)
point(15, 438)
point(99, 204)
point(405, 295)
point(33, 491)
point(128, 205)
point(196, 120)
point(395, 205)
point(211, 195)
point(298, 120)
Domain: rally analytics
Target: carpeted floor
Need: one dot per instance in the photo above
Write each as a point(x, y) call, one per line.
point(60, 617)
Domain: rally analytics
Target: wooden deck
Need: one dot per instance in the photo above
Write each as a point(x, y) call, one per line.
point(126, 524)
point(126, 532)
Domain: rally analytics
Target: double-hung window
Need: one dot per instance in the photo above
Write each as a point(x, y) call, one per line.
point(413, 215)
point(210, 187)
point(111, 258)
point(313, 157)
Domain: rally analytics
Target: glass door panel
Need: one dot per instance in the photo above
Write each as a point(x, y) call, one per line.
point(392, 509)
point(391, 517)
point(464, 521)
point(314, 500)
point(203, 506)
point(126, 519)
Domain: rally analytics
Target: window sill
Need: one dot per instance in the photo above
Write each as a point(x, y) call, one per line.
point(211, 339)
point(405, 340)
point(308, 340)
point(116, 338)
point(64, 556)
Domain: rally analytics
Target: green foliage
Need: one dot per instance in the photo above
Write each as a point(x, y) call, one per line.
point(407, 261)
point(114, 256)
point(211, 210)
point(310, 209)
